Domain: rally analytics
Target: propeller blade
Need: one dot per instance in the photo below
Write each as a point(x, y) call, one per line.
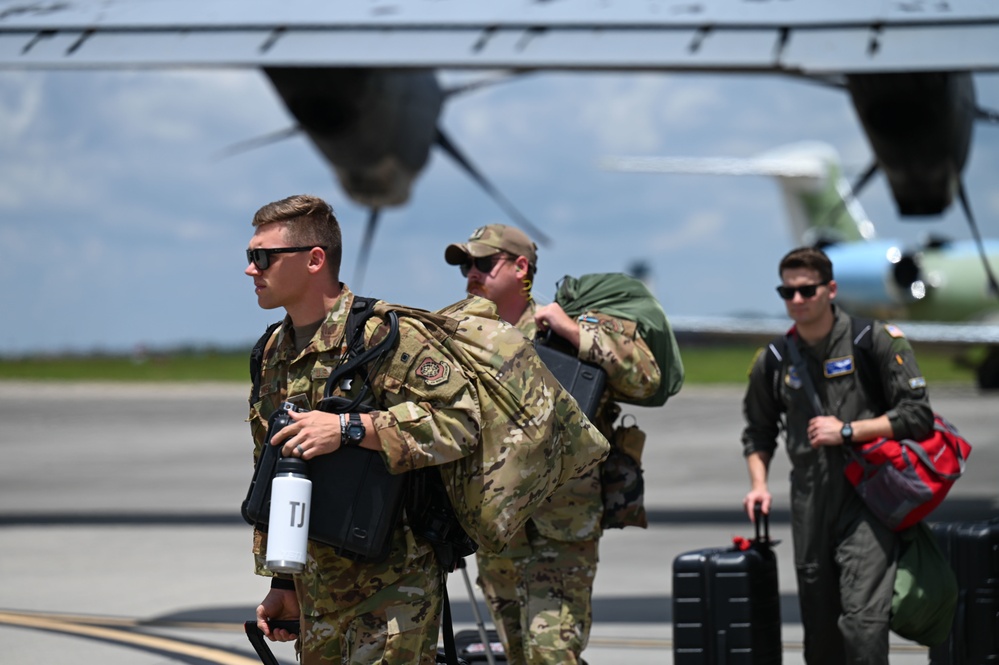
point(451, 149)
point(962, 195)
point(855, 190)
point(501, 77)
point(257, 142)
point(864, 178)
point(366, 243)
point(988, 115)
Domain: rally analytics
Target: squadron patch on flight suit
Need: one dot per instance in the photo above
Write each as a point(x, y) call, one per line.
point(792, 379)
point(917, 382)
point(894, 330)
point(433, 372)
point(838, 367)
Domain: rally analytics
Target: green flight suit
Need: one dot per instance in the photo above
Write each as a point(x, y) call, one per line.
point(844, 556)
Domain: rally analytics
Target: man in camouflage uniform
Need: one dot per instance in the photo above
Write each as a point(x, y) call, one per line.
point(388, 611)
point(844, 556)
point(539, 589)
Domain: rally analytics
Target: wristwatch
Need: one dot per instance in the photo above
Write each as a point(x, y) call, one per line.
point(355, 431)
point(847, 433)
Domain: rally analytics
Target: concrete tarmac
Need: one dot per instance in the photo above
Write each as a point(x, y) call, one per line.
point(121, 541)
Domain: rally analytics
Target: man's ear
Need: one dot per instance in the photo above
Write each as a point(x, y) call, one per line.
point(522, 264)
point(317, 259)
point(832, 289)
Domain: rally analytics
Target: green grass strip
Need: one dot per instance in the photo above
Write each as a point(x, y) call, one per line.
point(704, 365)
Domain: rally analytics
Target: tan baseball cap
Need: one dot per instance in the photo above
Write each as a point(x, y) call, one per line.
point(490, 239)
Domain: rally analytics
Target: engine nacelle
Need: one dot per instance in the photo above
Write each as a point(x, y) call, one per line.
point(865, 273)
point(939, 282)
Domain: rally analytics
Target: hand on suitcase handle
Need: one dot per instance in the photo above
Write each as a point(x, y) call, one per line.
point(757, 515)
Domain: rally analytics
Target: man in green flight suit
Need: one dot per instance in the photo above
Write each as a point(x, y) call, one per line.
point(539, 588)
point(350, 612)
point(844, 556)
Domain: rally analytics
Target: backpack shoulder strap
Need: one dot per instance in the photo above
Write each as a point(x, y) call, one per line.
point(862, 330)
point(772, 362)
point(257, 360)
point(358, 356)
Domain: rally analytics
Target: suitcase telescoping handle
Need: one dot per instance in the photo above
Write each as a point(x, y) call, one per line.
point(760, 516)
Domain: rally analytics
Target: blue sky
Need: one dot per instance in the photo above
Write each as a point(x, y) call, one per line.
point(120, 229)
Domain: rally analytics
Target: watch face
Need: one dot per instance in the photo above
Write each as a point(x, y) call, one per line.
point(355, 432)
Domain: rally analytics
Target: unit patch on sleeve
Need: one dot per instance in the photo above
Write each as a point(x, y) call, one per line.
point(433, 372)
point(838, 367)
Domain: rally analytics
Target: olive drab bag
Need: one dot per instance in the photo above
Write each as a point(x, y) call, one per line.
point(534, 438)
point(925, 594)
point(625, 297)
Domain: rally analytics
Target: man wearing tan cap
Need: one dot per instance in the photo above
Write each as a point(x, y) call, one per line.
point(539, 589)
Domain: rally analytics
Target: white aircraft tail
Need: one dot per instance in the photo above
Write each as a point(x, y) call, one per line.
point(819, 201)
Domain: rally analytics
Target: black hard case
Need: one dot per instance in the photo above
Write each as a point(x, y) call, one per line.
point(726, 605)
point(356, 501)
point(973, 551)
point(584, 381)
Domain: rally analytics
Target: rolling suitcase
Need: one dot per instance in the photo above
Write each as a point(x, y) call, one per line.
point(726, 603)
point(973, 552)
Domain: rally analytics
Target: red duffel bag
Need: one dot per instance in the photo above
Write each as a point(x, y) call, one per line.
point(904, 481)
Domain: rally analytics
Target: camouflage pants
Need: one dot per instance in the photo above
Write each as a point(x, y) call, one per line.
point(540, 602)
point(361, 613)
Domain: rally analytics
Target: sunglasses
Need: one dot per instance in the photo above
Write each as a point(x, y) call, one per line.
point(261, 257)
point(484, 264)
point(807, 291)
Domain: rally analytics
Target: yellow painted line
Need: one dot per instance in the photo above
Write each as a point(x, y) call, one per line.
point(97, 620)
point(124, 637)
point(95, 626)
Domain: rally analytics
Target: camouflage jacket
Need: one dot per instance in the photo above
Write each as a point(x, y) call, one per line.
point(574, 513)
point(422, 420)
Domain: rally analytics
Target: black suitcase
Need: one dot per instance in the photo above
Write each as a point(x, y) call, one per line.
point(973, 551)
point(726, 604)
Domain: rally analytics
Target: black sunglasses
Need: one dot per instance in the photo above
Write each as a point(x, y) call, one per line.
point(261, 257)
point(807, 291)
point(483, 264)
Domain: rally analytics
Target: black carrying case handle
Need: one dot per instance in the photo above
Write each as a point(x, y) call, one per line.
point(256, 637)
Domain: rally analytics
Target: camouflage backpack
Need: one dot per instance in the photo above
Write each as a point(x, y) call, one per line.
point(534, 437)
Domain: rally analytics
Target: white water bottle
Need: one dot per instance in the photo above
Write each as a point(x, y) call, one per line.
point(288, 524)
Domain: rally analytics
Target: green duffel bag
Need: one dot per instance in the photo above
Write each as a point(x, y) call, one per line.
point(925, 598)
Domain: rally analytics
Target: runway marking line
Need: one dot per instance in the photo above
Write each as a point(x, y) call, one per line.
point(94, 627)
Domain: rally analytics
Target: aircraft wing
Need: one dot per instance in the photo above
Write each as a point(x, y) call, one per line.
point(792, 36)
point(762, 329)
